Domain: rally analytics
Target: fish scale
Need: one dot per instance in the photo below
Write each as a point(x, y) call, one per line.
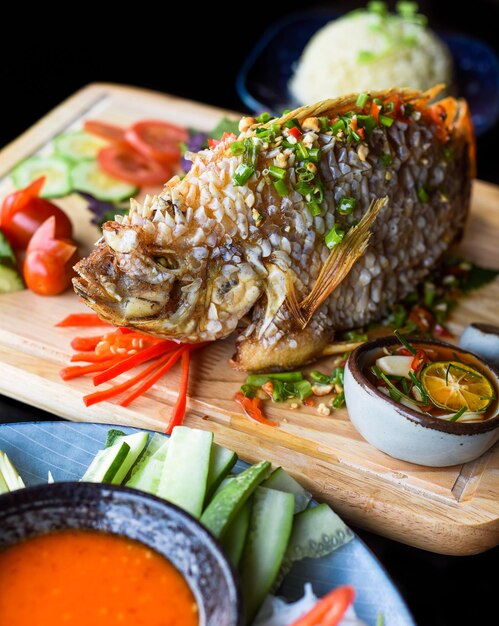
point(164, 275)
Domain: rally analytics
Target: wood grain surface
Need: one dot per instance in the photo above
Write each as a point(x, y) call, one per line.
point(453, 510)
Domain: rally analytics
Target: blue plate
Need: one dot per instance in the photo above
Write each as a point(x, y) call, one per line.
point(66, 449)
point(262, 83)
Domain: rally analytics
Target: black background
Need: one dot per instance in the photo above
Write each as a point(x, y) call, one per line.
point(49, 53)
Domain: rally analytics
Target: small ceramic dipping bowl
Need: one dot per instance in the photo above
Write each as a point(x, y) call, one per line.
point(156, 523)
point(405, 433)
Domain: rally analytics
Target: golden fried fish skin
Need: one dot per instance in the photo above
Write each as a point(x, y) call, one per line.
point(191, 263)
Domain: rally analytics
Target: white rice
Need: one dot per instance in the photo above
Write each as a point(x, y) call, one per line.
point(401, 54)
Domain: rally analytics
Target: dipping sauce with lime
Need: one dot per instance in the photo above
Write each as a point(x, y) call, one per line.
point(435, 380)
point(80, 577)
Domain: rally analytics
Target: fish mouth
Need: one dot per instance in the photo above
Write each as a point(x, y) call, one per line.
point(161, 302)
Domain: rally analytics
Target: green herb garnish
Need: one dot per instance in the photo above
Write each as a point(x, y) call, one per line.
point(334, 237)
point(242, 174)
point(404, 342)
point(346, 205)
point(457, 415)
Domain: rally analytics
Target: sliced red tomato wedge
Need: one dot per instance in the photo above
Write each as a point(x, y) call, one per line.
point(125, 163)
point(157, 140)
point(23, 212)
point(105, 131)
point(49, 261)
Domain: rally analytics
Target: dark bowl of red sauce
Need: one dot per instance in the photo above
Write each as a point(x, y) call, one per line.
point(86, 553)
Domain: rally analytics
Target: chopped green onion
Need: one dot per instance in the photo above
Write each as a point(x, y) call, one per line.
point(366, 56)
point(457, 415)
point(423, 195)
point(277, 172)
point(366, 122)
point(334, 237)
point(293, 123)
point(405, 385)
point(286, 111)
point(386, 121)
point(429, 294)
point(381, 619)
point(386, 160)
point(242, 174)
point(281, 188)
point(462, 369)
point(264, 117)
point(417, 383)
point(377, 7)
point(324, 122)
point(362, 98)
point(346, 205)
point(314, 208)
point(305, 190)
point(314, 154)
point(319, 377)
point(274, 128)
point(301, 152)
point(354, 335)
point(289, 145)
point(337, 126)
point(305, 177)
point(260, 379)
point(237, 148)
point(318, 191)
point(389, 107)
point(404, 342)
point(303, 389)
point(251, 150)
point(355, 136)
point(339, 375)
point(249, 391)
point(339, 401)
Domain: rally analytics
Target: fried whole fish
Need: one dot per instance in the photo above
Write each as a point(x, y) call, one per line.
point(315, 222)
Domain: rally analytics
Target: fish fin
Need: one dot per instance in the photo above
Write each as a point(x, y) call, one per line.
point(276, 292)
point(337, 266)
point(292, 302)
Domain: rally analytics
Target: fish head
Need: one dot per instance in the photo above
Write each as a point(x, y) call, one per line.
point(160, 272)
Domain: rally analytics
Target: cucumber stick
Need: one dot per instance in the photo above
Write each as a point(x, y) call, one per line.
point(282, 481)
point(55, 169)
point(228, 501)
point(9, 476)
point(137, 442)
point(78, 145)
point(185, 470)
point(112, 464)
point(221, 462)
point(317, 532)
point(270, 529)
point(149, 470)
point(106, 463)
point(235, 538)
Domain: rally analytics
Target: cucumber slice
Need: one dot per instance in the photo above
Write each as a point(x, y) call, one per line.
point(55, 169)
point(221, 462)
point(106, 464)
point(9, 476)
point(78, 145)
point(137, 442)
point(148, 474)
point(185, 471)
point(282, 481)
point(6, 252)
point(235, 538)
point(227, 502)
point(270, 529)
point(317, 532)
point(10, 279)
point(87, 176)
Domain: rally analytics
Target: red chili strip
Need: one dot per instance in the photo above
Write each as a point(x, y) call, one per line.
point(178, 412)
point(82, 319)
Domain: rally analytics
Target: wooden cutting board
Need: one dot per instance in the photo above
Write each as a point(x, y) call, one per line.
point(453, 510)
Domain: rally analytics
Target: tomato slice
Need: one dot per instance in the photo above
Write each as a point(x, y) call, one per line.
point(104, 130)
point(123, 162)
point(23, 212)
point(49, 261)
point(157, 140)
